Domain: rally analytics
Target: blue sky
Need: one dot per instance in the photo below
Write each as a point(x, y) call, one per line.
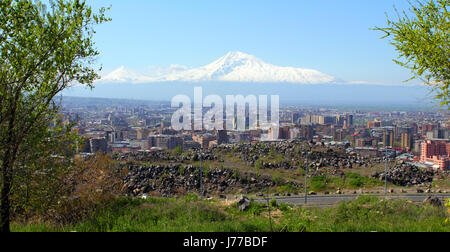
point(332, 36)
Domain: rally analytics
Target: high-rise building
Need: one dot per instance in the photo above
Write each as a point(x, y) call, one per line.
point(307, 132)
point(429, 127)
point(222, 137)
point(374, 124)
point(142, 133)
point(164, 141)
point(436, 152)
point(296, 117)
point(339, 135)
point(407, 141)
point(284, 133)
point(349, 119)
point(318, 119)
point(388, 138)
point(443, 134)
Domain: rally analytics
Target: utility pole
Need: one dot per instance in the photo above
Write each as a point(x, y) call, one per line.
point(306, 175)
point(201, 175)
point(385, 172)
point(306, 183)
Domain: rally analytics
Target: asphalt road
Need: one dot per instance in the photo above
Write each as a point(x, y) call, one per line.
point(330, 200)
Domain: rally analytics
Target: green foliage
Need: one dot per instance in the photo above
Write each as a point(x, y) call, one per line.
point(318, 183)
point(258, 165)
point(422, 41)
point(278, 179)
point(191, 214)
point(236, 174)
point(273, 203)
point(447, 204)
point(272, 151)
point(284, 207)
point(181, 170)
point(177, 151)
point(374, 214)
point(43, 50)
point(255, 209)
point(287, 188)
point(354, 180)
point(351, 180)
point(301, 168)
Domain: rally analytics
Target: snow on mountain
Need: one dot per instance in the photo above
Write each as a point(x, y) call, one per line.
point(233, 67)
point(124, 75)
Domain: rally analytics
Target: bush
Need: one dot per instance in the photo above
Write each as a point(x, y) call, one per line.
point(92, 185)
point(287, 188)
point(356, 180)
point(278, 179)
point(273, 203)
point(318, 183)
point(177, 151)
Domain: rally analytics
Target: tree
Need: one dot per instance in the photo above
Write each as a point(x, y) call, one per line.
point(422, 42)
point(40, 175)
point(43, 50)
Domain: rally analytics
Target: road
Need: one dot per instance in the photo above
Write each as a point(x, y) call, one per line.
point(330, 200)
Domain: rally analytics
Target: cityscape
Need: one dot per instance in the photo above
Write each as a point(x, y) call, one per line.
point(225, 125)
point(421, 138)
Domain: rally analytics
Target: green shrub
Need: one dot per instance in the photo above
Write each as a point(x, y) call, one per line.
point(181, 170)
point(287, 188)
point(355, 180)
point(318, 183)
point(177, 151)
point(278, 179)
point(273, 203)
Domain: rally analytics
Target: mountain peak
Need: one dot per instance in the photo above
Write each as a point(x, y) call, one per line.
point(235, 66)
point(238, 57)
point(237, 54)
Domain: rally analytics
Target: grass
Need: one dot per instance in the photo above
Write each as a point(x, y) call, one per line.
point(191, 214)
point(350, 181)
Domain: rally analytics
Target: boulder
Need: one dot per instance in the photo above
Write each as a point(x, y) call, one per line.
point(433, 201)
point(243, 203)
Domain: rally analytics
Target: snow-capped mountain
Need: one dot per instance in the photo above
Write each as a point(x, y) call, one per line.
point(233, 67)
point(124, 75)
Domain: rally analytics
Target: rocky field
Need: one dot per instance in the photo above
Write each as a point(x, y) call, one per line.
point(255, 168)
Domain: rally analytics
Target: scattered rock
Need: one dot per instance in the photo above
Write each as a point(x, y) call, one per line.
point(175, 179)
point(243, 203)
point(433, 201)
point(406, 175)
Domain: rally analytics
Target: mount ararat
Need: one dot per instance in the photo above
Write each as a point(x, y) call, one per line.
point(239, 73)
point(233, 67)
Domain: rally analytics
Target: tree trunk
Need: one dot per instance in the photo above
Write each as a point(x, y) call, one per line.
point(5, 202)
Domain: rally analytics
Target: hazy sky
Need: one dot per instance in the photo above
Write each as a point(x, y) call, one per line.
point(332, 36)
